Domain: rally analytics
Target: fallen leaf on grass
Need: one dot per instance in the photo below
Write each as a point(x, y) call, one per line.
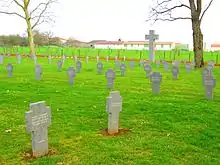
point(8, 130)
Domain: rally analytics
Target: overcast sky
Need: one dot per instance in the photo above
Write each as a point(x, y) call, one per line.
point(112, 19)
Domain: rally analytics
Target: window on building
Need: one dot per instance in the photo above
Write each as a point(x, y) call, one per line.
point(161, 45)
point(125, 45)
point(146, 45)
point(131, 45)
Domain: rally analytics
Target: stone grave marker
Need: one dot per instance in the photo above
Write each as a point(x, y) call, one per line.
point(210, 66)
point(9, 69)
point(147, 69)
point(175, 72)
point(59, 65)
point(49, 59)
point(18, 57)
point(38, 72)
point(205, 72)
point(176, 63)
point(156, 79)
point(141, 63)
point(107, 58)
point(87, 59)
point(1, 59)
point(99, 67)
point(188, 67)
point(124, 58)
point(78, 66)
point(113, 108)
point(209, 83)
point(158, 63)
point(151, 37)
point(117, 63)
point(132, 64)
point(166, 66)
point(123, 69)
point(110, 75)
point(71, 75)
point(37, 121)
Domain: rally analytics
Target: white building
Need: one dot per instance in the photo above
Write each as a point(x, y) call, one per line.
point(134, 45)
point(215, 47)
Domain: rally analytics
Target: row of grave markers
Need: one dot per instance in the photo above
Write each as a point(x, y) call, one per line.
point(98, 59)
point(110, 74)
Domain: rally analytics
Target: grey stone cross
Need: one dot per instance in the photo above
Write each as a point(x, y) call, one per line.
point(176, 63)
point(148, 69)
point(38, 72)
point(123, 69)
point(175, 72)
point(99, 67)
point(78, 66)
point(188, 67)
point(151, 37)
point(166, 66)
point(209, 83)
point(210, 66)
point(9, 69)
point(158, 63)
point(113, 108)
point(71, 75)
point(156, 79)
point(18, 57)
point(141, 63)
point(110, 75)
point(132, 65)
point(205, 73)
point(117, 63)
point(37, 121)
point(59, 65)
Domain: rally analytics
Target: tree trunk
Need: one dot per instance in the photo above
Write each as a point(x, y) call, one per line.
point(197, 43)
point(30, 32)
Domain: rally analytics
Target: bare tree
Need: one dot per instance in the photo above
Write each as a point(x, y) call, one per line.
point(166, 10)
point(33, 14)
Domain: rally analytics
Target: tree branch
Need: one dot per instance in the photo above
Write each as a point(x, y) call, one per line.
point(12, 13)
point(210, 3)
point(18, 4)
point(172, 19)
point(40, 16)
point(172, 8)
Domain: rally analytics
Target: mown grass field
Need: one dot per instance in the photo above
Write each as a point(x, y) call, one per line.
point(129, 54)
point(176, 127)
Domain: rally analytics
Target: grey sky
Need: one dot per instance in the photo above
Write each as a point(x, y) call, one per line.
point(110, 19)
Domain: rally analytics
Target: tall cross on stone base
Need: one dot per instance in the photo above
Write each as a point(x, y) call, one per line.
point(151, 37)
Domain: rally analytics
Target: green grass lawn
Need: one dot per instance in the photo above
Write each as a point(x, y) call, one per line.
point(177, 127)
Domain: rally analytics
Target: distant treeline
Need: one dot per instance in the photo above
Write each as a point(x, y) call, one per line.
point(40, 39)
